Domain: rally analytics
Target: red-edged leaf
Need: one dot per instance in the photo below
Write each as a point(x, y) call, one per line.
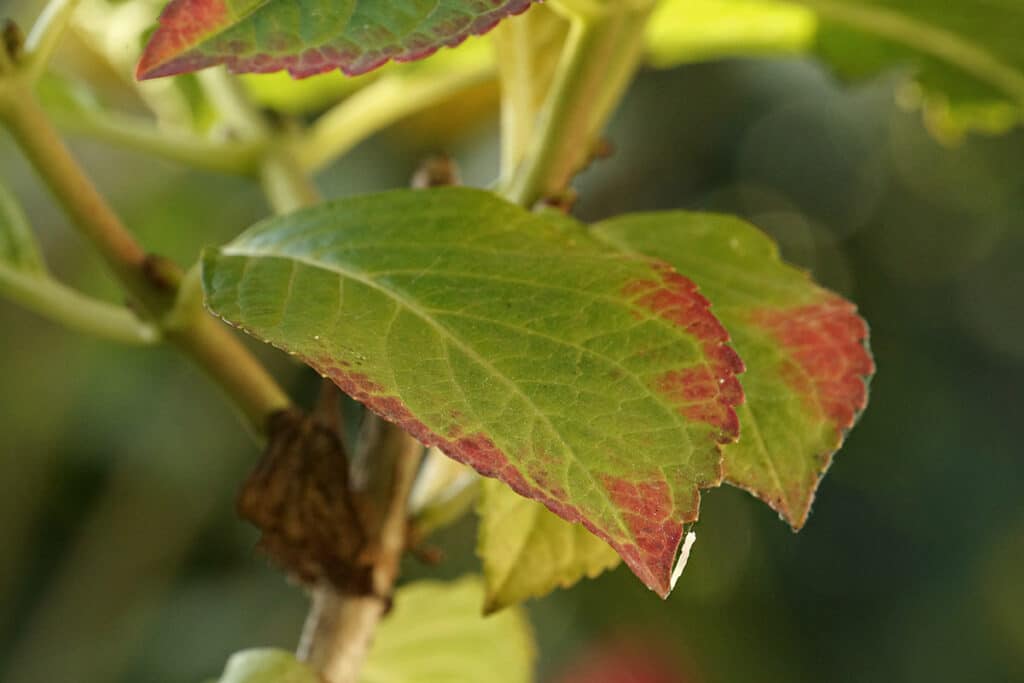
point(308, 37)
point(593, 381)
point(805, 348)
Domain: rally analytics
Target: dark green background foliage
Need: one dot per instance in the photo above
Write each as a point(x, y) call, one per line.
point(121, 558)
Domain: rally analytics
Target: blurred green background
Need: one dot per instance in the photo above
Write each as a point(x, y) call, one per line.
point(121, 559)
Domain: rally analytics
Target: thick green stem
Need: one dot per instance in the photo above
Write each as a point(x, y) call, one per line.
point(152, 284)
point(600, 57)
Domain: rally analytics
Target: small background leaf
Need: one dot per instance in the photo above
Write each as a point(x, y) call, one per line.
point(805, 348)
point(436, 633)
point(966, 58)
point(527, 551)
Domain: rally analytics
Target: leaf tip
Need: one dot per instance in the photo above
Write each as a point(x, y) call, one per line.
point(182, 24)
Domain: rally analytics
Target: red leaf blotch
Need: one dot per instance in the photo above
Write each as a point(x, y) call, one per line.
point(708, 392)
point(826, 343)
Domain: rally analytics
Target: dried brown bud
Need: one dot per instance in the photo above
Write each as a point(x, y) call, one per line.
point(299, 497)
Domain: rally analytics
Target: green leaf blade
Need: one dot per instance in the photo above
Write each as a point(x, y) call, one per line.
point(805, 348)
point(513, 342)
point(308, 37)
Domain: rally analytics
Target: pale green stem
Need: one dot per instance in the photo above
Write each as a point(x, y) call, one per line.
point(240, 158)
point(601, 55)
point(287, 186)
point(74, 310)
point(515, 47)
point(377, 106)
point(45, 36)
point(228, 97)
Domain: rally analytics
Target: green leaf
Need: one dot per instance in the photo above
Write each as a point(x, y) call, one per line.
point(436, 633)
point(967, 57)
point(18, 247)
point(528, 551)
point(512, 341)
point(266, 665)
point(805, 349)
point(308, 37)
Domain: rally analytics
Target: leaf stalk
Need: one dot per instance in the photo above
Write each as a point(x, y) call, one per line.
point(600, 57)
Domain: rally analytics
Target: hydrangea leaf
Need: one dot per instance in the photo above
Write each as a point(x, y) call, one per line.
point(308, 37)
point(967, 58)
point(805, 347)
point(596, 382)
point(436, 633)
point(527, 551)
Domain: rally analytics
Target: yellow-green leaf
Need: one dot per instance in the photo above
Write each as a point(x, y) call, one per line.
point(527, 551)
point(436, 634)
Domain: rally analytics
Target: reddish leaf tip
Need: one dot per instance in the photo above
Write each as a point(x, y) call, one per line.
point(181, 24)
point(648, 511)
point(829, 364)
